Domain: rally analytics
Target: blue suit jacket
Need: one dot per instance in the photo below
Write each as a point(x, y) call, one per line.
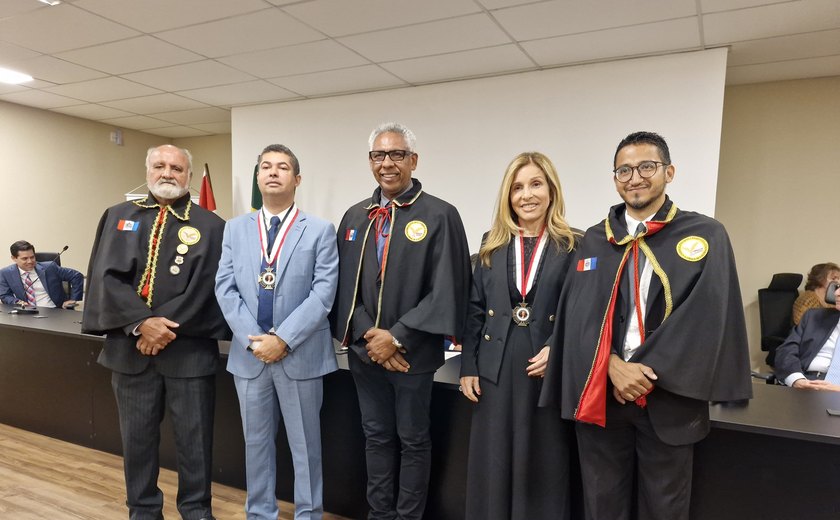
point(307, 274)
point(51, 276)
point(805, 341)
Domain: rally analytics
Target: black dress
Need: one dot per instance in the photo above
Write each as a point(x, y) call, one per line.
point(518, 464)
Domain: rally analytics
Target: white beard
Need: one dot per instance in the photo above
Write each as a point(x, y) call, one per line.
point(168, 191)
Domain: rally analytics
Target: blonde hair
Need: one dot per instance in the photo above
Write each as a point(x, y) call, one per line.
point(504, 222)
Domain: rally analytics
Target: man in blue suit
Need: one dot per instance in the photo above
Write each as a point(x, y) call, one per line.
point(806, 358)
point(38, 283)
point(276, 284)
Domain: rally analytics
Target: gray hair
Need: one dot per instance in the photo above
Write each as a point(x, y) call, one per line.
point(396, 128)
point(184, 151)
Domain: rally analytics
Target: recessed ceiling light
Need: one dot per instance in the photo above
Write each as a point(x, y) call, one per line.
point(13, 77)
point(50, 2)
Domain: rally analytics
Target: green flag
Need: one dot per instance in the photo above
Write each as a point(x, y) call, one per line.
point(256, 196)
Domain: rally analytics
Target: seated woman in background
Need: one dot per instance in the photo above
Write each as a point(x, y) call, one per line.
point(518, 466)
point(813, 297)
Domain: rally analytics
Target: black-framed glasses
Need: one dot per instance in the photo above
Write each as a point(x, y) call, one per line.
point(395, 155)
point(646, 170)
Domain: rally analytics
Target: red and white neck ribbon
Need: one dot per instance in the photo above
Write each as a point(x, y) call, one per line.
point(525, 275)
point(285, 224)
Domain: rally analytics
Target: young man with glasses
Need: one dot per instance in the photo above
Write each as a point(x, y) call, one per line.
point(651, 326)
point(404, 274)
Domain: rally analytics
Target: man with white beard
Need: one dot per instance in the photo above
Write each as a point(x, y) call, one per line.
point(150, 292)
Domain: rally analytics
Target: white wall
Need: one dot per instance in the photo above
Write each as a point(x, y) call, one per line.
point(468, 131)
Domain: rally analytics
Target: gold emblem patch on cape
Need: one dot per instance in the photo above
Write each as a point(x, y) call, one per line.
point(416, 230)
point(189, 235)
point(692, 248)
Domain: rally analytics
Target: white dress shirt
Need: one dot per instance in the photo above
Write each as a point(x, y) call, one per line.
point(634, 337)
point(42, 299)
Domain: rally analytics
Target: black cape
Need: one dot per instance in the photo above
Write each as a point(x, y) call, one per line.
point(424, 286)
point(181, 292)
point(696, 339)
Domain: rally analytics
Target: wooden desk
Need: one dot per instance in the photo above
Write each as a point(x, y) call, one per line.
point(776, 457)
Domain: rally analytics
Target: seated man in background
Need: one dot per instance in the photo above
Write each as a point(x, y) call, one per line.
point(806, 359)
point(813, 297)
point(38, 283)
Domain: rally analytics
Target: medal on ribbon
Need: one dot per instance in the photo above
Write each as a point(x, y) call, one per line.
point(525, 276)
point(268, 277)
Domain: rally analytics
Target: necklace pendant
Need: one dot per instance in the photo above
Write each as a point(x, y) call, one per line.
point(522, 315)
point(267, 278)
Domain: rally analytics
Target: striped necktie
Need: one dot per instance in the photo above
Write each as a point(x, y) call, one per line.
point(30, 290)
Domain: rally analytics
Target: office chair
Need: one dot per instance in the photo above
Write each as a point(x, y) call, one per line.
point(775, 310)
point(48, 257)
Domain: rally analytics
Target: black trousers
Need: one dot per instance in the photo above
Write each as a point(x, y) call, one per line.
point(142, 400)
point(398, 445)
point(628, 451)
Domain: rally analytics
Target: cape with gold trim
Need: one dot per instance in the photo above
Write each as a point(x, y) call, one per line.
point(180, 284)
point(696, 339)
point(424, 290)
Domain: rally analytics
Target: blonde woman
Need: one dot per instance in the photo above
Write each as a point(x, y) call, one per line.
point(519, 455)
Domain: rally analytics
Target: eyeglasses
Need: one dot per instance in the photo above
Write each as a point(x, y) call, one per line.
point(646, 170)
point(395, 155)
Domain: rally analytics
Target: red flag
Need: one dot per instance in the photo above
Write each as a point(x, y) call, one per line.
point(205, 197)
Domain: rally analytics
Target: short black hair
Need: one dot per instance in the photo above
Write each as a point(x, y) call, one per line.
point(281, 148)
point(645, 138)
point(21, 245)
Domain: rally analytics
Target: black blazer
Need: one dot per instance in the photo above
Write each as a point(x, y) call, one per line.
point(490, 310)
point(805, 341)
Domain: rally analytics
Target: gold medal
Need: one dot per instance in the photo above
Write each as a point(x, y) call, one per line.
point(522, 315)
point(267, 279)
point(182, 249)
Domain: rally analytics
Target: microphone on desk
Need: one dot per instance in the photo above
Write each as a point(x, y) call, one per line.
point(63, 249)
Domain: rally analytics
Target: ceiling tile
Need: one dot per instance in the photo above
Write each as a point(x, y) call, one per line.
point(710, 6)
point(356, 79)
point(39, 99)
point(296, 59)
point(341, 18)
point(55, 70)
point(104, 89)
point(562, 17)
point(454, 34)
point(195, 116)
point(498, 4)
point(206, 73)
point(214, 128)
point(61, 28)
point(265, 29)
point(477, 62)
point(771, 20)
point(130, 55)
point(14, 7)
point(92, 111)
point(250, 92)
point(784, 70)
point(797, 46)
point(5, 89)
point(177, 131)
point(160, 15)
point(157, 103)
point(10, 53)
point(136, 122)
point(616, 43)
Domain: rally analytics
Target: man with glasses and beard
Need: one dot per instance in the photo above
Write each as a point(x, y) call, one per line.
point(151, 278)
point(651, 326)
